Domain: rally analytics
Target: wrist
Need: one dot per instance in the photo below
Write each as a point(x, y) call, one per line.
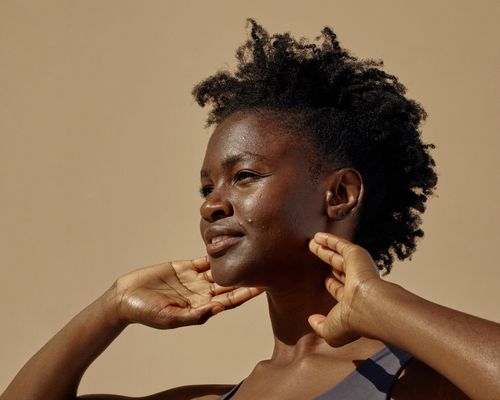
point(109, 304)
point(368, 312)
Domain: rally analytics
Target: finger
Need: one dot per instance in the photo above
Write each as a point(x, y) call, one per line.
point(173, 316)
point(317, 322)
point(327, 255)
point(336, 243)
point(335, 288)
point(237, 296)
point(217, 309)
point(206, 276)
point(216, 289)
point(200, 264)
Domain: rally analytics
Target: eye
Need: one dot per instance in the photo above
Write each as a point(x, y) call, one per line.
point(205, 191)
point(244, 174)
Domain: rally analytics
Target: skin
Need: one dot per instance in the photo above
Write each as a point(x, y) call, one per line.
point(256, 182)
point(274, 209)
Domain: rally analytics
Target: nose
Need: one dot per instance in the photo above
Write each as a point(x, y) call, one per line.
point(214, 208)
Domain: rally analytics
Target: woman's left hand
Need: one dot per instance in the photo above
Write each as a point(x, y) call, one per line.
point(353, 272)
point(437, 336)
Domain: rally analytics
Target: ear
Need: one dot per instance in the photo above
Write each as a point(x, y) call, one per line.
point(344, 194)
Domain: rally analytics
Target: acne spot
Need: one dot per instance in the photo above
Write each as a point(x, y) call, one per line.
point(250, 220)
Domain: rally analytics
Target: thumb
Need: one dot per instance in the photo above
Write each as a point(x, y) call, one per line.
point(217, 308)
point(317, 322)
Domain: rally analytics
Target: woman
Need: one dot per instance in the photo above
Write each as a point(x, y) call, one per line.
point(313, 180)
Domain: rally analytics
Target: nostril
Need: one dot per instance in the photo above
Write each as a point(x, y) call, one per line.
point(215, 208)
point(218, 214)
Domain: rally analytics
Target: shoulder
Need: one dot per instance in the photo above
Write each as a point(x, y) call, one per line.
point(190, 392)
point(419, 381)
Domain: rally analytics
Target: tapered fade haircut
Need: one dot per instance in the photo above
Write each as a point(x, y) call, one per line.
point(352, 112)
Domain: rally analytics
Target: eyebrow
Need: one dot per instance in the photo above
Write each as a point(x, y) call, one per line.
point(233, 159)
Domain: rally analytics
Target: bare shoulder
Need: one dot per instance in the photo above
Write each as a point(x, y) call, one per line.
point(419, 381)
point(190, 392)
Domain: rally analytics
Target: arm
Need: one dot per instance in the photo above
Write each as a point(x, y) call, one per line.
point(463, 348)
point(55, 371)
point(163, 296)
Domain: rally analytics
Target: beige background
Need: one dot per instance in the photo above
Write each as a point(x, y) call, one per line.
point(101, 144)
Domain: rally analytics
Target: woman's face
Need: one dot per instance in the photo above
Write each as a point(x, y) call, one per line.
point(261, 206)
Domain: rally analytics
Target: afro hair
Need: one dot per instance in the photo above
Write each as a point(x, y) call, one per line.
point(354, 114)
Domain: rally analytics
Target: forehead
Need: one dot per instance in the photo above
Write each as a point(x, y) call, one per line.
point(258, 134)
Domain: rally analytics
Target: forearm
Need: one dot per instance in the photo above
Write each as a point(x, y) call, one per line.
point(55, 371)
point(463, 348)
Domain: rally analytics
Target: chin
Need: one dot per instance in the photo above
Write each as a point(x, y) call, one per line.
point(227, 273)
point(234, 269)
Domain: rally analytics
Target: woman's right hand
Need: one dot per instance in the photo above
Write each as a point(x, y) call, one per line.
point(173, 294)
point(166, 295)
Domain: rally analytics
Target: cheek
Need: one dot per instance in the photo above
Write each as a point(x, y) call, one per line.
point(282, 216)
point(277, 230)
point(263, 211)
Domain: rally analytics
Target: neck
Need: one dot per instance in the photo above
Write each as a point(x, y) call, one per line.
point(289, 309)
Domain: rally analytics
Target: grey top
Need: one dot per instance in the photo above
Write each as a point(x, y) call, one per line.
point(371, 380)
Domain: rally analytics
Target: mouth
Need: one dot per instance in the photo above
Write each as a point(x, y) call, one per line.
point(220, 243)
point(220, 238)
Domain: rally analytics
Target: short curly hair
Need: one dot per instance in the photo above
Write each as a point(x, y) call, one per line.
point(354, 114)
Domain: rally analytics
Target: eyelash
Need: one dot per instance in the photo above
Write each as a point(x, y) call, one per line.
point(240, 175)
point(244, 175)
point(205, 191)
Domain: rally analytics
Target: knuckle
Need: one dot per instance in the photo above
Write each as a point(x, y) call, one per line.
point(231, 299)
point(330, 258)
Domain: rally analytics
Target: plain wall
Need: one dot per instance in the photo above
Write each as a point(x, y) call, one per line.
point(101, 145)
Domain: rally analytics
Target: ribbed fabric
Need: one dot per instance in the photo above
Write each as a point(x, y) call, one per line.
point(373, 379)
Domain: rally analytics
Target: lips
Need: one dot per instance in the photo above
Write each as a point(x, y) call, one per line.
point(220, 238)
